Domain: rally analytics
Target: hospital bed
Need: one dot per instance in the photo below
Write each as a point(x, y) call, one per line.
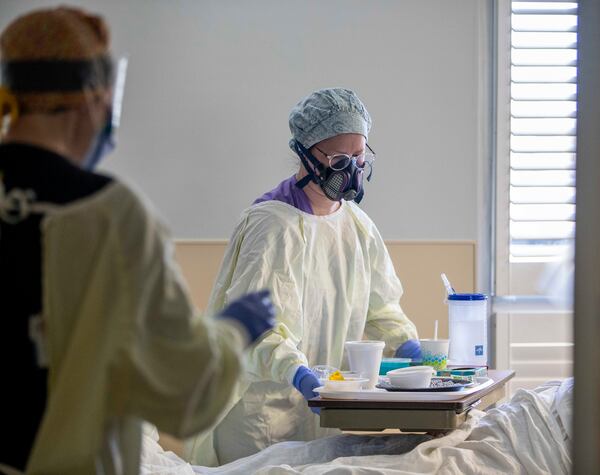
point(530, 434)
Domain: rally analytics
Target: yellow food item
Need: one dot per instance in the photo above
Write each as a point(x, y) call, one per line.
point(337, 376)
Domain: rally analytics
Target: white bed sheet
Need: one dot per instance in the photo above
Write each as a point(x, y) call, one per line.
point(528, 435)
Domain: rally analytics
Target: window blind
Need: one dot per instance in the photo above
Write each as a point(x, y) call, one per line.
point(543, 107)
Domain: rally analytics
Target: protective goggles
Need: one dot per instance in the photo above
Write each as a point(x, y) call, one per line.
point(340, 161)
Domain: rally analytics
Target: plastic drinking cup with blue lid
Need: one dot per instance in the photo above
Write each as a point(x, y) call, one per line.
point(467, 297)
point(467, 327)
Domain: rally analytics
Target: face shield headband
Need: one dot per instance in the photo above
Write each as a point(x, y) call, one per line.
point(346, 183)
point(57, 75)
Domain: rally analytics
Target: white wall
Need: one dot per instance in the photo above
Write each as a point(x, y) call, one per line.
point(211, 83)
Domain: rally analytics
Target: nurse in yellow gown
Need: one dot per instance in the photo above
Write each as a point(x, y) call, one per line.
point(329, 271)
point(99, 332)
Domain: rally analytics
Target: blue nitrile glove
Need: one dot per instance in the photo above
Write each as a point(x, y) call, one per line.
point(305, 381)
point(255, 312)
point(409, 349)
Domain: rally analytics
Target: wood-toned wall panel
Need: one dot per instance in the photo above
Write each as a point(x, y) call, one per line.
point(418, 264)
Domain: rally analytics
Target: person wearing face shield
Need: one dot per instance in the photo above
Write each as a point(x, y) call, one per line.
point(99, 332)
point(329, 271)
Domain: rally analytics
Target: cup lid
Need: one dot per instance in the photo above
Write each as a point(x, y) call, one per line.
point(467, 297)
point(366, 344)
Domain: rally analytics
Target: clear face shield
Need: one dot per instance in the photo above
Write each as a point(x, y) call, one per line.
point(105, 141)
point(118, 91)
point(57, 85)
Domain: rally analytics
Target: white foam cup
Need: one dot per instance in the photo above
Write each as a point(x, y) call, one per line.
point(364, 358)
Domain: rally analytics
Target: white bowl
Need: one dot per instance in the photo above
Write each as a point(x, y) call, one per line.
point(348, 384)
point(413, 377)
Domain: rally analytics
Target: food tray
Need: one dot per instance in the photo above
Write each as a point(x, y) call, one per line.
point(383, 395)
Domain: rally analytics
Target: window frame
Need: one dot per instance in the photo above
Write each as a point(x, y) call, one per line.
point(501, 218)
point(506, 300)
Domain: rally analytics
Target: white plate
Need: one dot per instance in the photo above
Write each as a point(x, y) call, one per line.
point(383, 395)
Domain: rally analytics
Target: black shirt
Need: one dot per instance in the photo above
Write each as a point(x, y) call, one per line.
point(49, 178)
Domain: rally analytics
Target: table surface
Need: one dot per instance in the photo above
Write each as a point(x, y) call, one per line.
point(500, 378)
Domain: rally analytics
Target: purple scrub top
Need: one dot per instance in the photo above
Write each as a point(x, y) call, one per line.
point(289, 193)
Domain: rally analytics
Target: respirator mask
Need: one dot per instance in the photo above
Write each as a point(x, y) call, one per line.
point(343, 178)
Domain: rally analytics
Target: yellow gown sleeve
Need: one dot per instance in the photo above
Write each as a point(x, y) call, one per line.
point(266, 253)
point(262, 253)
point(177, 370)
